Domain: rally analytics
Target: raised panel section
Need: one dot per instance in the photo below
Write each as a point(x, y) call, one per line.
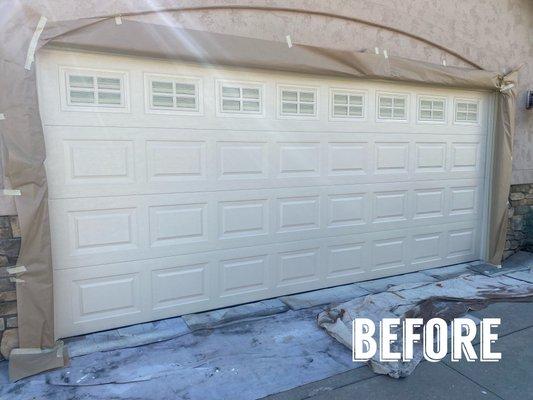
point(298, 214)
point(243, 275)
point(243, 218)
point(461, 242)
point(430, 157)
point(426, 248)
point(238, 160)
point(346, 210)
point(179, 285)
point(347, 158)
point(177, 224)
point(175, 160)
point(106, 297)
point(299, 159)
point(429, 203)
point(98, 161)
point(391, 157)
point(297, 267)
point(388, 254)
point(464, 156)
point(346, 260)
point(390, 206)
point(463, 200)
point(103, 230)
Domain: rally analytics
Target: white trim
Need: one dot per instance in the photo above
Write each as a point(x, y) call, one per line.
point(349, 92)
point(405, 96)
point(66, 105)
point(297, 88)
point(476, 101)
point(219, 83)
point(149, 108)
point(421, 97)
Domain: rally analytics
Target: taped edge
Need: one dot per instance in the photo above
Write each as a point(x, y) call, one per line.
point(289, 41)
point(11, 192)
point(30, 56)
point(2, 116)
point(16, 270)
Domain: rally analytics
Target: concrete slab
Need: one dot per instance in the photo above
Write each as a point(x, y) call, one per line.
point(381, 285)
point(519, 261)
point(526, 276)
point(334, 295)
point(430, 381)
point(515, 316)
point(510, 378)
point(130, 336)
point(448, 272)
point(211, 319)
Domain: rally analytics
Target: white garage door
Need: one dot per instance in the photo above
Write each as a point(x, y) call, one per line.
point(178, 188)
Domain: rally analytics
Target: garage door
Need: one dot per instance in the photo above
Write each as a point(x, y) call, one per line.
point(176, 188)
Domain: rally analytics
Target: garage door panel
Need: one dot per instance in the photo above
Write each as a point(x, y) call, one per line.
point(113, 229)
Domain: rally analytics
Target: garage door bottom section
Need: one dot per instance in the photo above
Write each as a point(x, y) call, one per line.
point(113, 295)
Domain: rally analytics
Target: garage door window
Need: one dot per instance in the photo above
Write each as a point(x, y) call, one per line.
point(431, 109)
point(392, 107)
point(240, 98)
point(95, 90)
point(466, 111)
point(347, 104)
point(174, 94)
point(297, 101)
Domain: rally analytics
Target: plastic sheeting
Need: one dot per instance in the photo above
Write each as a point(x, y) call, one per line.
point(156, 36)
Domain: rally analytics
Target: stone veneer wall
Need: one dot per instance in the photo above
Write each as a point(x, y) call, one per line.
point(9, 250)
point(520, 227)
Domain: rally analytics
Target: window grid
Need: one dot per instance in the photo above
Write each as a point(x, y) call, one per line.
point(431, 109)
point(466, 111)
point(392, 107)
point(298, 102)
point(346, 105)
point(240, 99)
point(95, 90)
point(178, 95)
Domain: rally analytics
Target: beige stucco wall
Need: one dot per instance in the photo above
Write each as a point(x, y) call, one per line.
point(496, 34)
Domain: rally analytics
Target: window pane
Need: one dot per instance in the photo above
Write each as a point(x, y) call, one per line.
point(425, 114)
point(108, 98)
point(472, 107)
point(250, 105)
point(81, 97)
point(472, 117)
point(385, 102)
point(425, 104)
point(399, 102)
point(289, 108)
point(185, 88)
point(81, 81)
point(356, 111)
point(462, 107)
point(438, 115)
point(185, 102)
point(108, 83)
point(163, 101)
point(438, 105)
point(385, 112)
point(231, 105)
point(356, 100)
point(399, 113)
point(249, 93)
point(461, 116)
point(341, 111)
point(307, 108)
point(340, 99)
point(289, 95)
point(231, 91)
point(307, 96)
point(162, 87)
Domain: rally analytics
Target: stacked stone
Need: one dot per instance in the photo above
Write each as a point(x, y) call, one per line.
point(9, 250)
point(520, 227)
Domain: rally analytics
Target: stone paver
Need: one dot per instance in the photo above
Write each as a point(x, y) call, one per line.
point(381, 285)
point(449, 272)
point(526, 275)
point(338, 294)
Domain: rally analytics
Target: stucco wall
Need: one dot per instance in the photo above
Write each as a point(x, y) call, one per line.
point(496, 34)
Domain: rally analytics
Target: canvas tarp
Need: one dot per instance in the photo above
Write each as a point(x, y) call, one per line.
point(155, 36)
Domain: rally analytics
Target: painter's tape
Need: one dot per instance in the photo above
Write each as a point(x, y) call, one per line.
point(289, 41)
point(376, 50)
point(507, 87)
point(118, 20)
point(385, 54)
point(11, 192)
point(19, 269)
point(30, 56)
point(2, 116)
point(17, 280)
